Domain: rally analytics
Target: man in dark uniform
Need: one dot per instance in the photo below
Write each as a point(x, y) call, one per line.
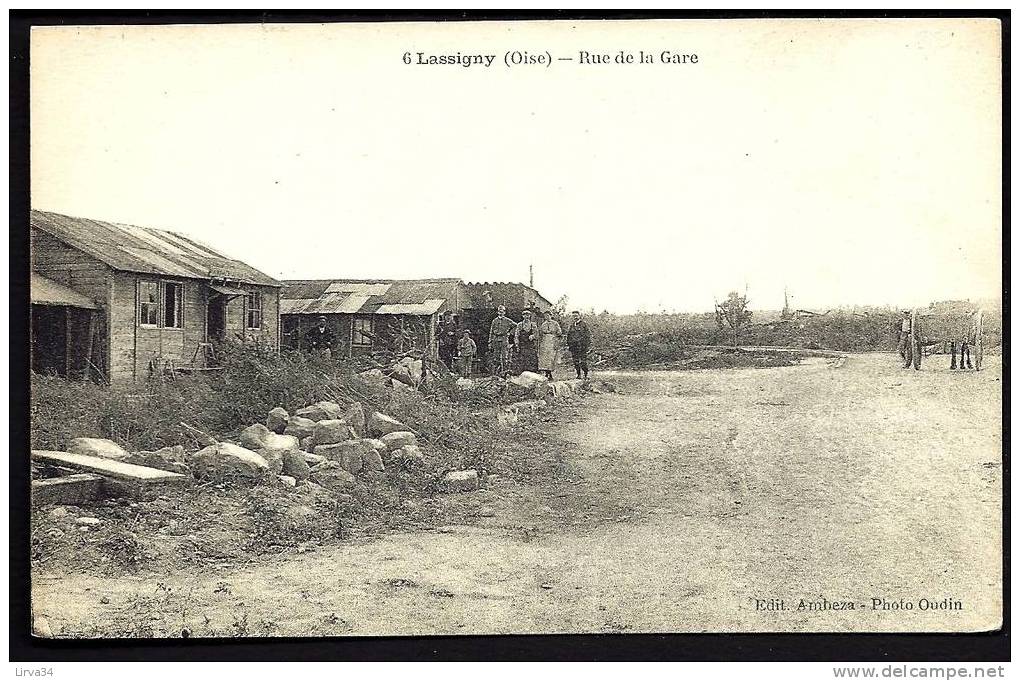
point(447, 335)
point(579, 341)
point(319, 339)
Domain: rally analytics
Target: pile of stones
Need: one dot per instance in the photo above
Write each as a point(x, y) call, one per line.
point(405, 374)
point(322, 443)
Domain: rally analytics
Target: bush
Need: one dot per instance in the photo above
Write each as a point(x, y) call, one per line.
point(254, 380)
point(146, 418)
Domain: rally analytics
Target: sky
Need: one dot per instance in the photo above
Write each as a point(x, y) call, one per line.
point(848, 162)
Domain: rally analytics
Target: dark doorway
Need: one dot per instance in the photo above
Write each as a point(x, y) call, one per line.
point(291, 332)
point(216, 318)
point(49, 339)
point(64, 341)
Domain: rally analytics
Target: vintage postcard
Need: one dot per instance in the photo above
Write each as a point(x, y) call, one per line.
point(516, 327)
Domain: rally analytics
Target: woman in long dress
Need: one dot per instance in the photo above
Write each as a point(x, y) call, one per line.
point(526, 342)
point(549, 334)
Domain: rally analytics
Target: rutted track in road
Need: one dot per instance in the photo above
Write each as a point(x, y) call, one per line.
point(684, 500)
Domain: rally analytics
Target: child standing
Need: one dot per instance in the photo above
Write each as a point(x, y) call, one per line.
point(467, 350)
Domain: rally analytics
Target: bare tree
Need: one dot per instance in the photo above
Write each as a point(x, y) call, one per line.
point(733, 313)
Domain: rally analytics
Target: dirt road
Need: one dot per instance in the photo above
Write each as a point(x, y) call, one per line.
point(679, 504)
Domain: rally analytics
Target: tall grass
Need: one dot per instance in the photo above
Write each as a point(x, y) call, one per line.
point(147, 417)
point(254, 380)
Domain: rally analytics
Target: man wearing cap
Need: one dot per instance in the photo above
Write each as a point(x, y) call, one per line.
point(499, 340)
point(319, 340)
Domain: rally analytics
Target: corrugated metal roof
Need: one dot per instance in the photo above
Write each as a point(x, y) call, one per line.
point(351, 296)
point(148, 251)
point(346, 304)
point(48, 292)
point(295, 305)
point(430, 306)
point(333, 303)
point(163, 265)
point(513, 295)
point(360, 287)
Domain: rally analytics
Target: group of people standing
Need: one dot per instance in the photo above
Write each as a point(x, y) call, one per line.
point(456, 346)
point(528, 345)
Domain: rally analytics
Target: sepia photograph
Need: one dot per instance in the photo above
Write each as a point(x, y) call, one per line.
point(457, 328)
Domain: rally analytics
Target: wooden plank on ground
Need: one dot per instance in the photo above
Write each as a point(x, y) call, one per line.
point(118, 470)
point(76, 490)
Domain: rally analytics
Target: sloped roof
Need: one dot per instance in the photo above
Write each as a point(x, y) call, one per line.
point(369, 296)
point(45, 291)
point(513, 295)
point(148, 251)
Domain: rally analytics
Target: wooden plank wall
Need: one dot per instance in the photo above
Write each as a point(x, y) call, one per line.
point(271, 316)
point(135, 346)
point(382, 325)
point(340, 323)
point(124, 349)
point(196, 300)
point(389, 330)
point(122, 328)
point(237, 317)
point(56, 260)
